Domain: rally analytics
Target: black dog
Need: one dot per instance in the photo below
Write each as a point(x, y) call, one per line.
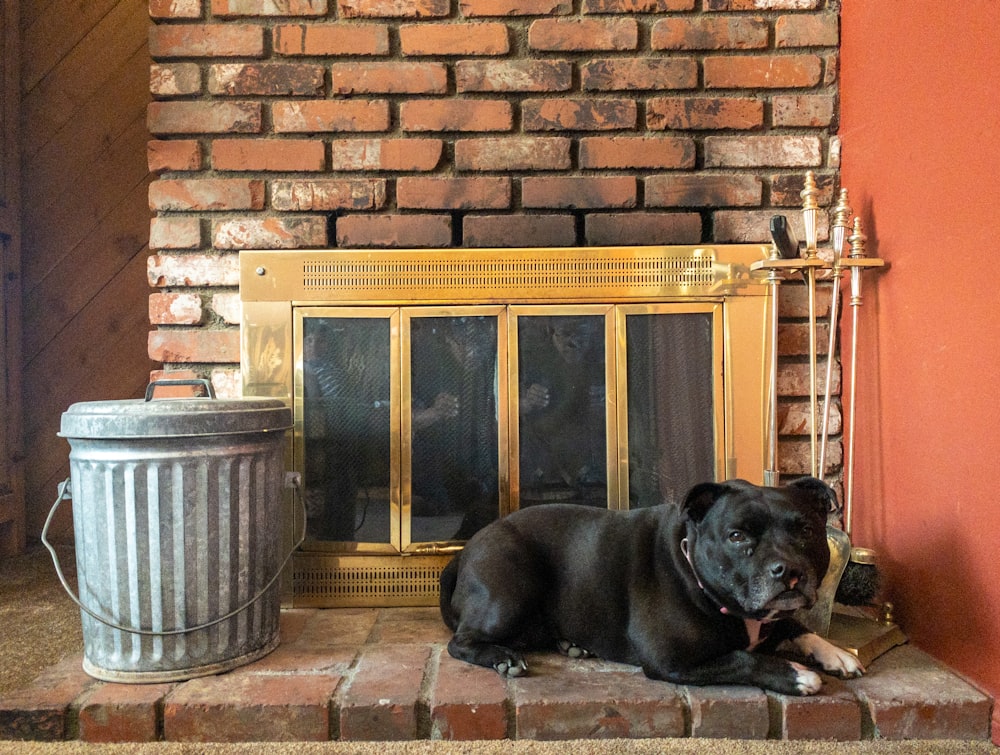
point(685, 592)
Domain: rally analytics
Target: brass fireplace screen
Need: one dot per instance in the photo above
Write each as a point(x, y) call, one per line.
point(434, 391)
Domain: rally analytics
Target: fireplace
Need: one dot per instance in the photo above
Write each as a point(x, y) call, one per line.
point(434, 391)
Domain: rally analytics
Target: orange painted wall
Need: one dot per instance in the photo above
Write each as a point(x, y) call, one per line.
point(920, 130)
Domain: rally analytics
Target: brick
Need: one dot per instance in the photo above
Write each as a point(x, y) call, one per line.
point(762, 71)
point(250, 708)
point(456, 115)
point(583, 34)
point(579, 115)
point(265, 79)
point(473, 8)
point(757, 151)
point(636, 6)
point(300, 195)
point(174, 309)
point(645, 152)
point(794, 298)
point(513, 153)
point(206, 41)
point(793, 380)
point(186, 345)
point(710, 33)
point(518, 230)
point(193, 270)
point(561, 699)
point(180, 194)
point(796, 457)
point(744, 226)
point(703, 190)
point(39, 710)
point(269, 8)
point(480, 193)
point(394, 8)
point(403, 155)
point(786, 190)
point(380, 702)
point(174, 233)
point(832, 715)
point(407, 626)
point(812, 30)
point(331, 39)
point(908, 695)
point(394, 231)
point(727, 712)
point(268, 154)
point(175, 391)
point(793, 419)
point(793, 338)
point(643, 228)
point(467, 702)
point(227, 308)
point(179, 154)
point(204, 117)
point(175, 8)
point(122, 713)
point(628, 74)
point(330, 115)
point(483, 38)
point(696, 113)
point(174, 80)
point(228, 383)
point(389, 78)
point(805, 110)
point(270, 233)
point(585, 192)
point(513, 75)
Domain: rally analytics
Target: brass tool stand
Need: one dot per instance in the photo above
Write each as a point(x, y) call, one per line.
point(853, 629)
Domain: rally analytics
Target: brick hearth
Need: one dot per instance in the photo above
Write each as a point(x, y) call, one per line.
point(384, 674)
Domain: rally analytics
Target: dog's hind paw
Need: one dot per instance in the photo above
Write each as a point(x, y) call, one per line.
point(511, 667)
point(573, 650)
point(807, 682)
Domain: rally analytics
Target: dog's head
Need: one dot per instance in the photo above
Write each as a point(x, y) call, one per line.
point(757, 551)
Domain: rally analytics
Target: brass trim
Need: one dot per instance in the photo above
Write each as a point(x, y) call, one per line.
point(463, 276)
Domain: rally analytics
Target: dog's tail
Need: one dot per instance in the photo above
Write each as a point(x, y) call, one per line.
point(449, 577)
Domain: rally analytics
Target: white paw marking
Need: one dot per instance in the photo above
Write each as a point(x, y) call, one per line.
point(807, 682)
point(829, 656)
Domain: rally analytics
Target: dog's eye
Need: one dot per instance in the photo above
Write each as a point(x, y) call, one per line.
point(737, 537)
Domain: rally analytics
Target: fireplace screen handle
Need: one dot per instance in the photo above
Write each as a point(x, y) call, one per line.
point(292, 479)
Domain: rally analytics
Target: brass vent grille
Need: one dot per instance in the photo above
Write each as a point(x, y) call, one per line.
point(364, 581)
point(455, 276)
point(518, 273)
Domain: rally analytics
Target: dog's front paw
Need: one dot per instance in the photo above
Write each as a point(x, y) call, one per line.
point(833, 659)
point(511, 667)
point(807, 682)
point(572, 650)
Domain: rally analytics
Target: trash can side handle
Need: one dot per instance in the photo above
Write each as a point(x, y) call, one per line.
point(65, 493)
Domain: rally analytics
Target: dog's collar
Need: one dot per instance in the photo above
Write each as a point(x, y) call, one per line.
point(686, 550)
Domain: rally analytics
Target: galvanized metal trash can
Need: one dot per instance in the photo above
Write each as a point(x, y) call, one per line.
point(177, 518)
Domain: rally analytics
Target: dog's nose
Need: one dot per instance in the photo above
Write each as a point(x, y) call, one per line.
point(780, 570)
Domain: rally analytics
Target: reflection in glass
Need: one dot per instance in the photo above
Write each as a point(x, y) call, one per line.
point(562, 407)
point(346, 420)
point(671, 445)
point(454, 464)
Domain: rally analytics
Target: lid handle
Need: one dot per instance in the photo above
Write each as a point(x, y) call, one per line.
point(206, 384)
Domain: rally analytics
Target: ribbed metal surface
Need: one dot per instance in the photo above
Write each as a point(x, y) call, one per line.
point(335, 581)
point(174, 534)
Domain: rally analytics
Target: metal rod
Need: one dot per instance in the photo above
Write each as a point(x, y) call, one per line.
point(857, 251)
point(810, 208)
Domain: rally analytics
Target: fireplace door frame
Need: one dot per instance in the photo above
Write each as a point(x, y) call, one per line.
point(279, 288)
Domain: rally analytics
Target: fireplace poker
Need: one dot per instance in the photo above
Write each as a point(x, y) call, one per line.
point(810, 208)
point(841, 226)
point(784, 246)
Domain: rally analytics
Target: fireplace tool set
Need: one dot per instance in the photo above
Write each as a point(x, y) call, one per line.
point(851, 583)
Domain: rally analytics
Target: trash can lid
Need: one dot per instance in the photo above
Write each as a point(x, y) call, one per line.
point(170, 417)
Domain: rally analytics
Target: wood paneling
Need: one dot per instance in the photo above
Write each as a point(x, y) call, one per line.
point(85, 222)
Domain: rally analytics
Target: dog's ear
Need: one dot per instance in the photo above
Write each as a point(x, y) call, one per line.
point(700, 499)
point(816, 493)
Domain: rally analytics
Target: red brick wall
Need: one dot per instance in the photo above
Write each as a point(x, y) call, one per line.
point(436, 123)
